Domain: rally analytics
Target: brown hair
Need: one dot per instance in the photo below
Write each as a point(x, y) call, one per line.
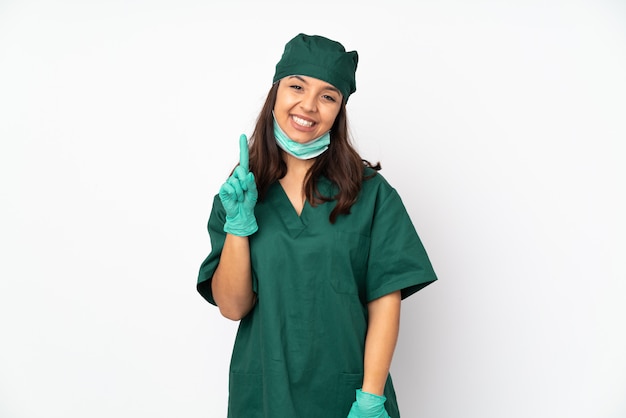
point(341, 164)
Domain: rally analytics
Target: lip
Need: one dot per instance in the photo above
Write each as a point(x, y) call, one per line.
point(300, 127)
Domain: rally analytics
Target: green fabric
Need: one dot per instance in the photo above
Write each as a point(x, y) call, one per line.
point(299, 353)
point(321, 58)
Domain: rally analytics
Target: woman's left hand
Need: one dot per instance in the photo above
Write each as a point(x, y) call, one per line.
point(368, 405)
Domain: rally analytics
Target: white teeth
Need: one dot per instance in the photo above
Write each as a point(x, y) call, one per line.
point(302, 122)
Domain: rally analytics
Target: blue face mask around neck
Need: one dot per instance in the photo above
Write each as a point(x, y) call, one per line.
point(305, 151)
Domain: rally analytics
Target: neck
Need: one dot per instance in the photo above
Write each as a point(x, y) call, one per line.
point(295, 166)
point(293, 182)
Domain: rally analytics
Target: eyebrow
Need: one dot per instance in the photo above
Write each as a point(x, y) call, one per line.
point(327, 87)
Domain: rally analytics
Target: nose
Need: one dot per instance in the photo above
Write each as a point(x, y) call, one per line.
point(309, 102)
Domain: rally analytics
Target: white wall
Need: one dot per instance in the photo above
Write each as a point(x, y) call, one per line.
point(501, 124)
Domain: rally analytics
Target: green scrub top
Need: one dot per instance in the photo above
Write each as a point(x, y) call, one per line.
point(299, 352)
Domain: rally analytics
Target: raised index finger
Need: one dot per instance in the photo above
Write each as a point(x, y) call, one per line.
point(243, 152)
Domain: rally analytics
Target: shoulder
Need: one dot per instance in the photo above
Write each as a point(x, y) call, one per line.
point(376, 190)
point(374, 180)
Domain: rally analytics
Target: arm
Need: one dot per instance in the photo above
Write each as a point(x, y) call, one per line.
point(380, 342)
point(232, 280)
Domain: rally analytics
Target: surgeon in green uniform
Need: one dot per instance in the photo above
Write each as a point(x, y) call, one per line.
point(312, 251)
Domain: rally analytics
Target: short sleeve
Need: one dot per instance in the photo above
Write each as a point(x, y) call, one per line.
point(397, 259)
point(217, 237)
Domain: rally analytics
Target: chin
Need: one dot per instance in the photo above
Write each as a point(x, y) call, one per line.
point(303, 139)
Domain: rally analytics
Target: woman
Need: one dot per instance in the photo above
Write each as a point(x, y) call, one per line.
point(313, 251)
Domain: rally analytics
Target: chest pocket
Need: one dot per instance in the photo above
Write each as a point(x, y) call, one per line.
point(349, 262)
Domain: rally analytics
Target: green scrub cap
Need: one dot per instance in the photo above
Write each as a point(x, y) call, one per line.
point(321, 58)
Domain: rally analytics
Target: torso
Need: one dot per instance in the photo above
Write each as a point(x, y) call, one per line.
point(299, 353)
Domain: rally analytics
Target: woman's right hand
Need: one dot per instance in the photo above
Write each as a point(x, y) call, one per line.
point(239, 196)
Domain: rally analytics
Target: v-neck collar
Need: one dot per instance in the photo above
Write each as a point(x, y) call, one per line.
point(295, 223)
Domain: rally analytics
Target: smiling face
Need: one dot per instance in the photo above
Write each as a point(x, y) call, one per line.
point(306, 107)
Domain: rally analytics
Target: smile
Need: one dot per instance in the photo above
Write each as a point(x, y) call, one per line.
point(302, 122)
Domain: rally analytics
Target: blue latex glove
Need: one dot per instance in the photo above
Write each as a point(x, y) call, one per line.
point(239, 196)
point(368, 405)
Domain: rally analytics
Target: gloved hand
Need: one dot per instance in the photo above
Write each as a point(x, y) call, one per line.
point(368, 405)
point(239, 195)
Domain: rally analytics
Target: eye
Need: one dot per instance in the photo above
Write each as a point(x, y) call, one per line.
point(296, 87)
point(329, 98)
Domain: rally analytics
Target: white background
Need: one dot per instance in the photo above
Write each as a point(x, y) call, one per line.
point(502, 125)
